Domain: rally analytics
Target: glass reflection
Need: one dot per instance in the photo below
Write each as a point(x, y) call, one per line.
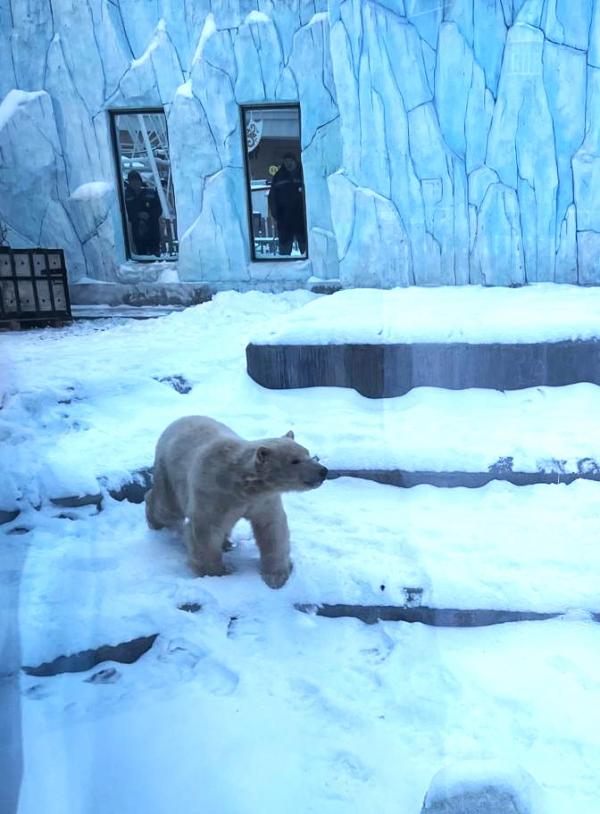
point(145, 171)
point(272, 137)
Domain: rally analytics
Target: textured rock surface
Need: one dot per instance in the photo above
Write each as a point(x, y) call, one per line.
point(443, 143)
point(483, 787)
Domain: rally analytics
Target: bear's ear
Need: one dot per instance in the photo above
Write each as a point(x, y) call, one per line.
point(262, 453)
point(289, 434)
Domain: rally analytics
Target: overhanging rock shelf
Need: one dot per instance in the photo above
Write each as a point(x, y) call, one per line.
point(384, 343)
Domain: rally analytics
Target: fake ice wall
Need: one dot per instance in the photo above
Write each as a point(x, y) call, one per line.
point(443, 142)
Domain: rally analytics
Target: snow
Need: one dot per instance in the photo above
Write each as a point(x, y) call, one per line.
point(93, 189)
point(12, 101)
point(152, 45)
point(185, 90)
point(498, 548)
point(250, 705)
point(256, 18)
point(208, 30)
point(318, 18)
point(473, 314)
point(355, 718)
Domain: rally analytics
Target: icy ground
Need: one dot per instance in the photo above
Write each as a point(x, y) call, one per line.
point(248, 705)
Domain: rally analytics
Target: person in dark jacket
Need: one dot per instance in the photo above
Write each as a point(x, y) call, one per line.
point(286, 202)
point(143, 211)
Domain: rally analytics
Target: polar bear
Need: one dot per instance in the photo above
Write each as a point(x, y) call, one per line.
point(209, 477)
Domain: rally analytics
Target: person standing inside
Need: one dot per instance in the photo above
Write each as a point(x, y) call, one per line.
point(143, 212)
point(286, 203)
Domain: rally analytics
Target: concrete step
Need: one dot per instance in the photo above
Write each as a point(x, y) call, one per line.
point(133, 488)
point(381, 371)
point(123, 311)
point(384, 343)
point(139, 294)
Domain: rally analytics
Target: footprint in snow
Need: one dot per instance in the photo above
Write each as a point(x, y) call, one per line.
point(195, 663)
point(240, 628)
point(215, 678)
point(351, 766)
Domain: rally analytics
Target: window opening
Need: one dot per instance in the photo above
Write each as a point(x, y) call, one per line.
point(275, 182)
point(147, 194)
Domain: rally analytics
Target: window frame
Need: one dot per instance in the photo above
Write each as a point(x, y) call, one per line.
point(247, 178)
point(113, 113)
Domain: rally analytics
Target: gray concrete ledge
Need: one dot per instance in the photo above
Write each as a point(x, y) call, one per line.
point(129, 652)
point(8, 515)
point(434, 617)
point(470, 480)
point(126, 653)
point(134, 490)
point(139, 294)
point(379, 371)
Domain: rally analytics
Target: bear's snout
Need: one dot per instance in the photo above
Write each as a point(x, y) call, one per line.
point(317, 477)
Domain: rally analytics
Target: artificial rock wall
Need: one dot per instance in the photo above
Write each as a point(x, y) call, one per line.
point(443, 142)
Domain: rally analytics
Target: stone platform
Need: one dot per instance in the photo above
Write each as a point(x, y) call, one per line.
point(138, 294)
point(384, 343)
point(381, 370)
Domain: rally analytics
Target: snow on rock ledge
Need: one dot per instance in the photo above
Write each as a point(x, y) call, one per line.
point(483, 787)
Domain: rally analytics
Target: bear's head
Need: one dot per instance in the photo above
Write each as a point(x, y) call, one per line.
point(285, 466)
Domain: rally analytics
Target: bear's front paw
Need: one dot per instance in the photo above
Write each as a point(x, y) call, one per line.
point(204, 569)
point(277, 577)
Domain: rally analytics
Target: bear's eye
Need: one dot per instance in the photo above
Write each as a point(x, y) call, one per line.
point(296, 461)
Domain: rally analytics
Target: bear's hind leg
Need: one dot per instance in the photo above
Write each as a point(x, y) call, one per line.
point(151, 518)
point(204, 542)
point(161, 506)
point(159, 516)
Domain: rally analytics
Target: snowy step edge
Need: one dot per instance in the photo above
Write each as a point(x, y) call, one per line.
point(132, 650)
point(134, 489)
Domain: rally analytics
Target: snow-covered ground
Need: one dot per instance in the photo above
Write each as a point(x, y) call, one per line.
point(502, 547)
point(249, 705)
point(85, 402)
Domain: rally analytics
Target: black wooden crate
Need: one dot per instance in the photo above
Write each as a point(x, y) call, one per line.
point(33, 286)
